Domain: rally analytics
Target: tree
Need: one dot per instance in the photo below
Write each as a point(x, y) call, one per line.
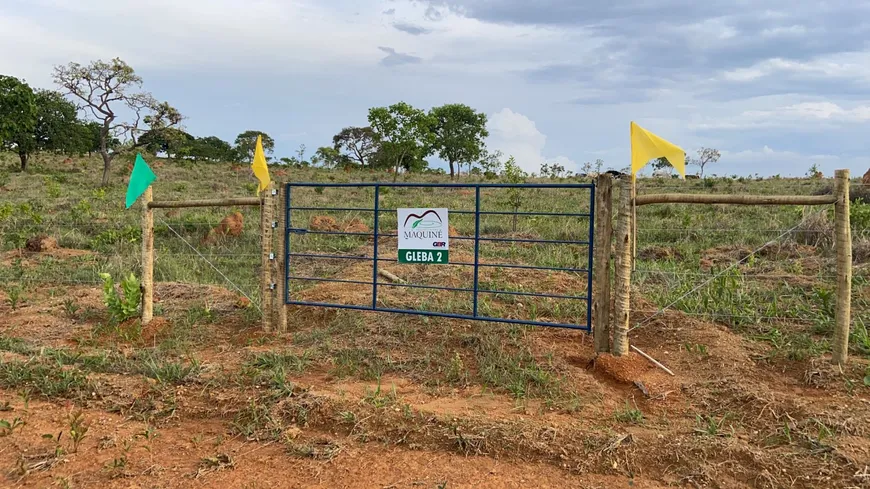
point(55, 122)
point(101, 88)
point(211, 148)
point(459, 133)
point(490, 163)
point(358, 143)
point(246, 142)
point(328, 157)
point(598, 164)
point(18, 116)
point(705, 157)
point(174, 142)
point(662, 164)
point(404, 134)
point(553, 170)
point(53, 129)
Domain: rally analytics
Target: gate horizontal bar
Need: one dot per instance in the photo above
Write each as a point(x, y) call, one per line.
point(457, 263)
point(520, 240)
point(442, 314)
point(452, 211)
point(438, 287)
point(447, 185)
point(462, 238)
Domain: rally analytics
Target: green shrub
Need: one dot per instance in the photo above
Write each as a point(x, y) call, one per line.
point(121, 307)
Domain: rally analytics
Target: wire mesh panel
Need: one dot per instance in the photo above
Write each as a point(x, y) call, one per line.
point(519, 253)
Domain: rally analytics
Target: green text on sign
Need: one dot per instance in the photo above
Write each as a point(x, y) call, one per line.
point(423, 256)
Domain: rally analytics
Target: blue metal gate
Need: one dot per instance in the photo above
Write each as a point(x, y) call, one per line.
point(330, 231)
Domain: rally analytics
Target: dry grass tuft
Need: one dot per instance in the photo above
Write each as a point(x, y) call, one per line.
point(861, 250)
point(816, 229)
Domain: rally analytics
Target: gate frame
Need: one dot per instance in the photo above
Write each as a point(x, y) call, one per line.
point(286, 198)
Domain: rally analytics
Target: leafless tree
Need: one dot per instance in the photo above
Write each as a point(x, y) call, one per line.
point(101, 89)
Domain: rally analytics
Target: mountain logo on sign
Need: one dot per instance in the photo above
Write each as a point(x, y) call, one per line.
point(424, 221)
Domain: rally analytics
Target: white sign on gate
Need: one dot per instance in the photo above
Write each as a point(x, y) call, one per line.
point(424, 235)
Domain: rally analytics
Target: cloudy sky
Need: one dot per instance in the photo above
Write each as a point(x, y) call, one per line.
point(776, 85)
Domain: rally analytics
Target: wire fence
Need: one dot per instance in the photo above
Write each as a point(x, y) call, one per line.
point(743, 267)
point(85, 241)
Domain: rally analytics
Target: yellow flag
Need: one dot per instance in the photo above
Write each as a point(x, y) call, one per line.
point(646, 146)
point(261, 171)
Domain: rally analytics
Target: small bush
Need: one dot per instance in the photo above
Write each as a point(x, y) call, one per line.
point(122, 308)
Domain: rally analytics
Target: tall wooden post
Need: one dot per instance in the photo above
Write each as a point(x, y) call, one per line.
point(147, 283)
point(266, 208)
point(623, 271)
point(601, 262)
point(843, 243)
point(633, 221)
point(280, 258)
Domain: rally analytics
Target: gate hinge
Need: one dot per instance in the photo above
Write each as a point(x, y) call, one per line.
point(271, 256)
point(274, 224)
point(274, 191)
point(272, 286)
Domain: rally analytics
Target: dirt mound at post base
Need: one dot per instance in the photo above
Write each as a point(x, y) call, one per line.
point(626, 369)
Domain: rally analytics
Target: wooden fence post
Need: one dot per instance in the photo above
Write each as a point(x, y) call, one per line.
point(633, 221)
point(279, 261)
point(843, 243)
point(147, 283)
point(601, 263)
point(266, 207)
point(623, 271)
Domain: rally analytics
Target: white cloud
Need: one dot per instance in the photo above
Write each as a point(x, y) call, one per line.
point(803, 114)
point(516, 135)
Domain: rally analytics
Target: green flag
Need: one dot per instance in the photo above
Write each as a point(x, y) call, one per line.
point(140, 179)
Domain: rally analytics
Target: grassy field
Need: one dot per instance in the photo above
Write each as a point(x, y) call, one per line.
point(753, 403)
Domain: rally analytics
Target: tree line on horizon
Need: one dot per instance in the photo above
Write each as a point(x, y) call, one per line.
point(100, 108)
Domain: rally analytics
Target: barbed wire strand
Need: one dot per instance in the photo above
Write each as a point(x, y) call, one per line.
point(714, 277)
point(210, 264)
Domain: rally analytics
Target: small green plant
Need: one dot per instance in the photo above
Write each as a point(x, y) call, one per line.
point(26, 394)
point(699, 349)
point(14, 296)
point(78, 430)
point(71, 308)
point(710, 426)
point(629, 414)
point(512, 173)
point(8, 427)
point(456, 372)
point(122, 307)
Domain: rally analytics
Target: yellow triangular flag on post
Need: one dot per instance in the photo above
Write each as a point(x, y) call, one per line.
point(261, 171)
point(646, 146)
